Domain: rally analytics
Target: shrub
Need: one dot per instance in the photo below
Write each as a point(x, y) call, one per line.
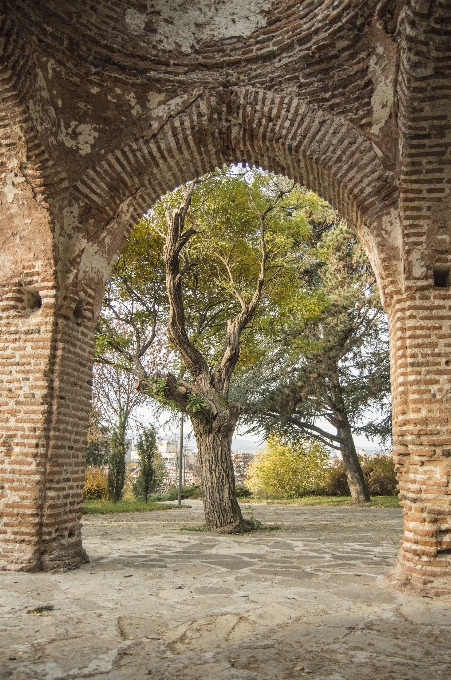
point(192, 491)
point(96, 484)
point(242, 491)
point(378, 471)
point(286, 471)
point(336, 482)
point(171, 494)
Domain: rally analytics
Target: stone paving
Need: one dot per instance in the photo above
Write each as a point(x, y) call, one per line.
point(304, 600)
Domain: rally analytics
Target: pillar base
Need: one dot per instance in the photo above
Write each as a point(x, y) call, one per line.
point(416, 581)
point(59, 558)
point(64, 559)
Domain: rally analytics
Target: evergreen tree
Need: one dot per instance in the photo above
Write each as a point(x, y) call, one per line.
point(147, 449)
point(116, 464)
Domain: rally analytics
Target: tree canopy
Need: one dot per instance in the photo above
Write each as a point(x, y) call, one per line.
point(242, 295)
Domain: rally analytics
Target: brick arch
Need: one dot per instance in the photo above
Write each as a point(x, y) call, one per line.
point(202, 130)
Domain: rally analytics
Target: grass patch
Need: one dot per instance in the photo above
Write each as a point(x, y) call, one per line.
point(386, 501)
point(201, 527)
point(380, 501)
point(102, 506)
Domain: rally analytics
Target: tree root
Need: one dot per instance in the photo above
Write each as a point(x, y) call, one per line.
point(241, 527)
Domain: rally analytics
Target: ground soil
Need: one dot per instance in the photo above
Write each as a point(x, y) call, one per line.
point(305, 600)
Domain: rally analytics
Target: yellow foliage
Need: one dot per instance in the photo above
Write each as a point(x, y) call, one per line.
point(127, 491)
point(286, 471)
point(96, 484)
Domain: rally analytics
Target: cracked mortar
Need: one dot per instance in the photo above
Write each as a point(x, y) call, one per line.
point(306, 600)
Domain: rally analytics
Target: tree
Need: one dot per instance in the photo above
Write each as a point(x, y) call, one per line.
point(115, 398)
point(218, 257)
point(98, 449)
point(285, 471)
point(116, 465)
point(146, 450)
point(333, 367)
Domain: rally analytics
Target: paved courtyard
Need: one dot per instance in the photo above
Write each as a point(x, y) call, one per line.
point(304, 600)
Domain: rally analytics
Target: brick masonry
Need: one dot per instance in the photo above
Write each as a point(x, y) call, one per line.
point(105, 107)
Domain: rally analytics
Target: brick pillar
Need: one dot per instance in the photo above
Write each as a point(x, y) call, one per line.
point(45, 394)
point(46, 340)
point(420, 331)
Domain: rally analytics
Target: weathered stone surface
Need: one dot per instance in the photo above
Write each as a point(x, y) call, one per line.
point(310, 596)
point(105, 106)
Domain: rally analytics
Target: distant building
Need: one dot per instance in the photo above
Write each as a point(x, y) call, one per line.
point(169, 450)
point(241, 461)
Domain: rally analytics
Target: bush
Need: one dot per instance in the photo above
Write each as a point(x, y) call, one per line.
point(96, 484)
point(285, 471)
point(336, 481)
point(242, 491)
point(192, 491)
point(171, 494)
point(378, 471)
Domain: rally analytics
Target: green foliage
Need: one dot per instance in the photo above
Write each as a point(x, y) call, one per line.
point(191, 491)
point(97, 453)
point(285, 471)
point(157, 387)
point(220, 265)
point(378, 501)
point(116, 465)
point(146, 450)
point(378, 471)
point(196, 403)
point(334, 366)
point(242, 491)
point(150, 465)
point(200, 527)
point(98, 449)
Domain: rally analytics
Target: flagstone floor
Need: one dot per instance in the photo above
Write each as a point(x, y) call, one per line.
point(304, 600)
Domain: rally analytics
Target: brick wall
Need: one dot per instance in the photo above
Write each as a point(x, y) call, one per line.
point(106, 107)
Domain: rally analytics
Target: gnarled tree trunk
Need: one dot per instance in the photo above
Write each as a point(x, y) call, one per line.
point(214, 441)
point(205, 396)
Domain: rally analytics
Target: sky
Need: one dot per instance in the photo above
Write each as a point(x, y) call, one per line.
point(250, 443)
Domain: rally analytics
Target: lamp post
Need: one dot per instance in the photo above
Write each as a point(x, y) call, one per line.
point(180, 461)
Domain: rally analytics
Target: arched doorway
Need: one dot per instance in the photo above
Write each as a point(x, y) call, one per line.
point(181, 140)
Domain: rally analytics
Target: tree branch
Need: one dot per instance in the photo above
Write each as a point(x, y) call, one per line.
point(168, 389)
point(176, 239)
